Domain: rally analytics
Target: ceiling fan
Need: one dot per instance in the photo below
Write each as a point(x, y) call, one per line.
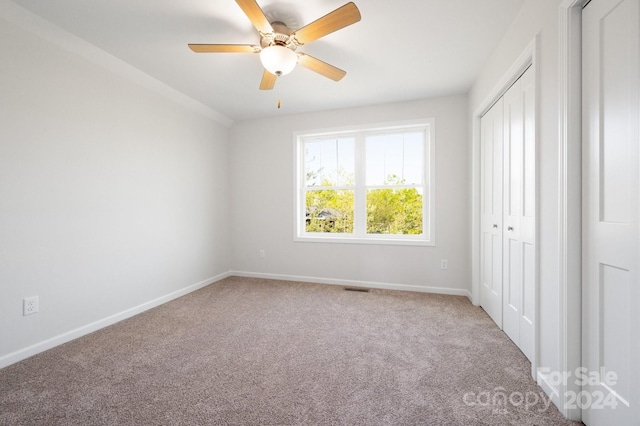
point(278, 43)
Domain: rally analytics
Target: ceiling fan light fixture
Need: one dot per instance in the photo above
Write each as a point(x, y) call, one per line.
point(278, 60)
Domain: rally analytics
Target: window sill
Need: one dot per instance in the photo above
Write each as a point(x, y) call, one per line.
point(364, 240)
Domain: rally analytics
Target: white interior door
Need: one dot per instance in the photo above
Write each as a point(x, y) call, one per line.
point(611, 187)
point(519, 261)
point(492, 138)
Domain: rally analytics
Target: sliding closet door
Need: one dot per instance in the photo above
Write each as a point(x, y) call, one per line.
point(519, 197)
point(492, 138)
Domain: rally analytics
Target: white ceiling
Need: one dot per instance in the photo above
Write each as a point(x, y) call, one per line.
point(400, 50)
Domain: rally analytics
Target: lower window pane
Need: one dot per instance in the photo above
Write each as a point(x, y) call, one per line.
point(394, 211)
point(329, 210)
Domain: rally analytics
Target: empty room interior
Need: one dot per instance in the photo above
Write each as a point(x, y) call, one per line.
point(320, 212)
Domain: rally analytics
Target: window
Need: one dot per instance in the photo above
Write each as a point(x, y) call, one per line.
point(366, 185)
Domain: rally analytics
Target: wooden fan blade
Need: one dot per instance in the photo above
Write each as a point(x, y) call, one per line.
point(339, 18)
point(224, 48)
point(255, 15)
point(321, 67)
point(268, 81)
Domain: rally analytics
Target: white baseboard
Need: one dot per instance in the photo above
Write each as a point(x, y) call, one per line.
point(34, 349)
point(353, 283)
point(549, 388)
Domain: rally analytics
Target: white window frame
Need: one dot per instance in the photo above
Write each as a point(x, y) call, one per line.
point(427, 238)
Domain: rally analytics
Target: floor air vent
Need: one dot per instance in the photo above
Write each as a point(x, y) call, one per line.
point(361, 290)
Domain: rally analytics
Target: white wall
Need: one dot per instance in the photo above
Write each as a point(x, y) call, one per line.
point(538, 18)
point(262, 188)
point(112, 197)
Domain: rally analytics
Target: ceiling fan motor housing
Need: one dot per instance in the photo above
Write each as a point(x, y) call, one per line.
point(281, 35)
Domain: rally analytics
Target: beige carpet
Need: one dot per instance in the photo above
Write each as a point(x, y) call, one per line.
point(250, 351)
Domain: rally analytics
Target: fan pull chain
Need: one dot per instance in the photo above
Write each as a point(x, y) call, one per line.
point(278, 95)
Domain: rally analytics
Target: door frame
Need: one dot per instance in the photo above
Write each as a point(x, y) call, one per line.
point(570, 198)
point(528, 58)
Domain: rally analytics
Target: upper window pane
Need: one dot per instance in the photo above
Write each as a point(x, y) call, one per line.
point(393, 159)
point(329, 162)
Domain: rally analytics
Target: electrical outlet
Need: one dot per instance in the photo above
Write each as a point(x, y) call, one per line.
point(30, 305)
point(262, 254)
point(444, 264)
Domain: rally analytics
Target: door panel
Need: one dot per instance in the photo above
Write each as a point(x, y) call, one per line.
point(615, 320)
point(611, 213)
point(513, 149)
point(528, 217)
point(527, 316)
point(519, 213)
point(491, 212)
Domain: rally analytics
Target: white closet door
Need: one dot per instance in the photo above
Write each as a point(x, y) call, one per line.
point(508, 213)
point(611, 212)
point(519, 198)
point(492, 138)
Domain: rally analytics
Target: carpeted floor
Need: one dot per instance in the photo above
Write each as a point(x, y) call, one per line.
point(251, 351)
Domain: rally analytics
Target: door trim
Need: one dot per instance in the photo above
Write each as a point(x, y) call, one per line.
point(570, 199)
point(528, 58)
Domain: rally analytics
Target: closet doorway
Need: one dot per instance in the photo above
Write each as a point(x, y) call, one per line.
point(508, 211)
